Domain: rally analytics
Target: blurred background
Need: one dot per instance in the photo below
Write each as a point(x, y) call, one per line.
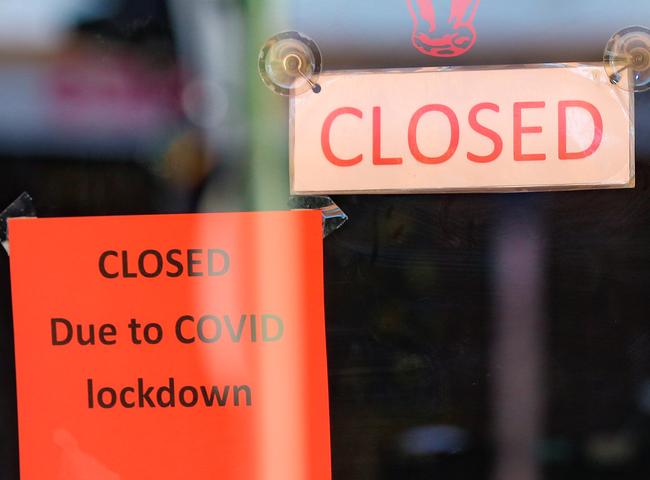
point(500, 336)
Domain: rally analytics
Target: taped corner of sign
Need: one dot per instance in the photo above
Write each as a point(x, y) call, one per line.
point(333, 216)
point(23, 206)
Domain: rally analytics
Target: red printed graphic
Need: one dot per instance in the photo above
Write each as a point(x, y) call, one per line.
point(443, 28)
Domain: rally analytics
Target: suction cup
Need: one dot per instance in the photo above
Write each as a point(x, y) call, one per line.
point(628, 51)
point(290, 63)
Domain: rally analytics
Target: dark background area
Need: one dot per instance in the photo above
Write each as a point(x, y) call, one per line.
point(441, 309)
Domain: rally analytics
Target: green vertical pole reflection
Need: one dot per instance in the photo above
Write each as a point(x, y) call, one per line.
point(267, 178)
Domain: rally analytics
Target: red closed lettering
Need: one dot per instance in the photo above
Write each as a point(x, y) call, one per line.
point(519, 130)
point(377, 159)
point(325, 137)
point(413, 130)
point(562, 129)
point(491, 134)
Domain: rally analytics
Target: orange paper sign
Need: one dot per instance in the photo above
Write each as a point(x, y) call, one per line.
point(441, 130)
point(171, 347)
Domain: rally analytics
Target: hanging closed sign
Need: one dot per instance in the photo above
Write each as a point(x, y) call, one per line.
point(436, 130)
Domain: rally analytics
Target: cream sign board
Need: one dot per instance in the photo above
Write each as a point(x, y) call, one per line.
point(543, 127)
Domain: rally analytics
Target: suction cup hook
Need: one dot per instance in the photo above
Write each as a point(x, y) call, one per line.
point(629, 51)
point(290, 63)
